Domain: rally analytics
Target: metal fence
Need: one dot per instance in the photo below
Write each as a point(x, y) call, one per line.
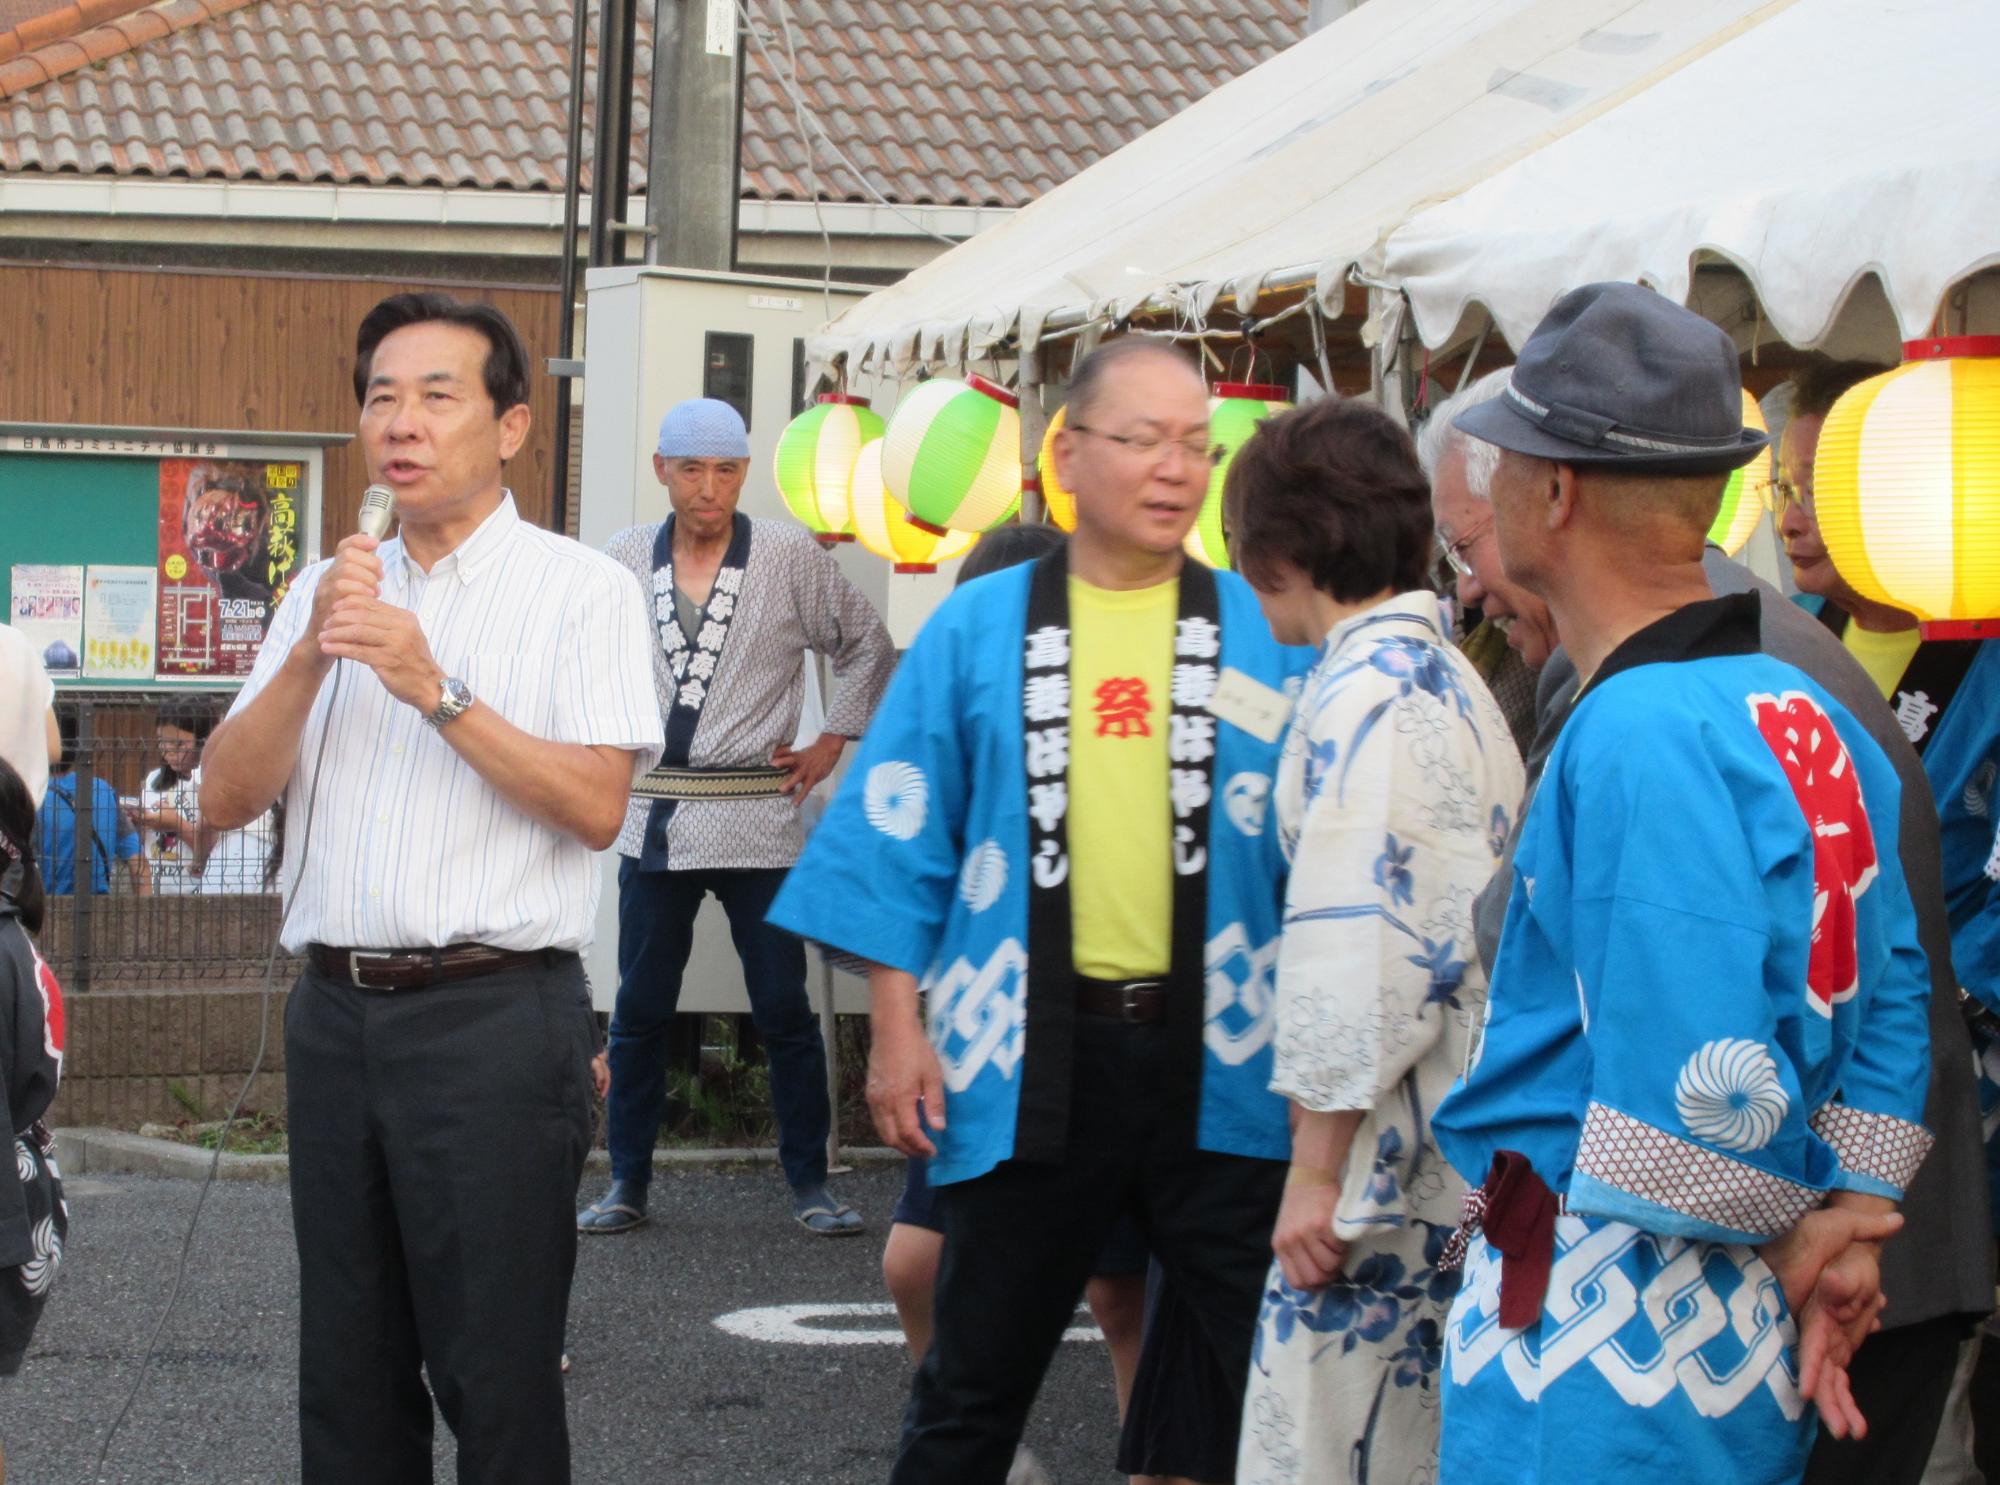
point(140, 892)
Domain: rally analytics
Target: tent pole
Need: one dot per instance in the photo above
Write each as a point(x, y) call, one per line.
point(1034, 423)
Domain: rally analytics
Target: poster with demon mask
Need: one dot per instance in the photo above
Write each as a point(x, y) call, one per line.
point(229, 545)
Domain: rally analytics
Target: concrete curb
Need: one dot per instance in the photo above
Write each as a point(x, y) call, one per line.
point(109, 1152)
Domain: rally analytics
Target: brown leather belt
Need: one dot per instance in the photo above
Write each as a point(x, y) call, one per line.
point(416, 969)
point(1136, 1002)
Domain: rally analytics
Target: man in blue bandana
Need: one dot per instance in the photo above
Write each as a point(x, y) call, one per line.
point(737, 603)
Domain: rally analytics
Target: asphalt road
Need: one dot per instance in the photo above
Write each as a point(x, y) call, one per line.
point(659, 1393)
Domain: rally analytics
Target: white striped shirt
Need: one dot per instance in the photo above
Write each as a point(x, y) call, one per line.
point(411, 848)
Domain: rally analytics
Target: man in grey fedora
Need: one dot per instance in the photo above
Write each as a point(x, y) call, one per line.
point(1937, 1273)
point(1700, 1090)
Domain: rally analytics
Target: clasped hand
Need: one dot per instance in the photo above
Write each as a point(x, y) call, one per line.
point(351, 622)
point(1829, 1266)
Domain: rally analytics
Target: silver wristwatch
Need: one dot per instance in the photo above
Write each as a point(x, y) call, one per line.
point(456, 697)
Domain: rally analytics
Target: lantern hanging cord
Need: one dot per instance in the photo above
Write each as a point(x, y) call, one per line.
point(791, 88)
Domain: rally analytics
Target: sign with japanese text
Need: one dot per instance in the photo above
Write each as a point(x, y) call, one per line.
point(230, 545)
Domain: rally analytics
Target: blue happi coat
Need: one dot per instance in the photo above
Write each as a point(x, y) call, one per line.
point(926, 862)
point(1962, 759)
point(1708, 1011)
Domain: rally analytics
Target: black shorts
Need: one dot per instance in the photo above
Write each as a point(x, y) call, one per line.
point(1124, 1252)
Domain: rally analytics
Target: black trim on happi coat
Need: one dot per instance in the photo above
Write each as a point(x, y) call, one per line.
point(692, 666)
point(1928, 682)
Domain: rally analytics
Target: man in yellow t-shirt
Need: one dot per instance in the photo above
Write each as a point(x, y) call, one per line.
point(1070, 850)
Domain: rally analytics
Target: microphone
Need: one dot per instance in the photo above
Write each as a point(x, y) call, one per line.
point(378, 508)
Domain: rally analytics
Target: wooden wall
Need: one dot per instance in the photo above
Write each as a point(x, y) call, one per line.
point(178, 348)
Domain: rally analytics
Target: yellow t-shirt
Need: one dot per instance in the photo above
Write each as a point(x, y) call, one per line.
point(1884, 654)
point(1120, 827)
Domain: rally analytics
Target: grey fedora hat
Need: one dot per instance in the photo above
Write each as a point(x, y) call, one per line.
point(1619, 376)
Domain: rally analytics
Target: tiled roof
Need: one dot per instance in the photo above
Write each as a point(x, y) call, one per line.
point(938, 101)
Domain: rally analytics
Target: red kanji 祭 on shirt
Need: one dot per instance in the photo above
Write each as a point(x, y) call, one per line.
point(1822, 776)
point(1123, 708)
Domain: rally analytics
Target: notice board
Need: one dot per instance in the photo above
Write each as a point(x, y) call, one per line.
point(153, 558)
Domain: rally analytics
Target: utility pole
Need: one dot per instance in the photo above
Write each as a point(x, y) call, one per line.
point(693, 161)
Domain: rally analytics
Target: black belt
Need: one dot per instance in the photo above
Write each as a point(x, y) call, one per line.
point(418, 969)
point(1136, 1002)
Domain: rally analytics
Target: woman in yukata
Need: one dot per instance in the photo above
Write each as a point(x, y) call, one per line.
point(1394, 794)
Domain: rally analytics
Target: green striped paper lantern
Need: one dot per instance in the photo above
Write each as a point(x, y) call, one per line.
point(816, 458)
point(1746, 499)
point(1234, 411)
point(952, 455)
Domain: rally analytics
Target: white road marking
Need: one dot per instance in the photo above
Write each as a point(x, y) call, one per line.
point(794, 1325)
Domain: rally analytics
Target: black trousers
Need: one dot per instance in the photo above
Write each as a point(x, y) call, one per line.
point(1901, 1380)
point(437, 1138)
point(1020, 1243)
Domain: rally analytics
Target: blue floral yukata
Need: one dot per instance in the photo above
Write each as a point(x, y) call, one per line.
point(1395, 792)
point(1708, 1011)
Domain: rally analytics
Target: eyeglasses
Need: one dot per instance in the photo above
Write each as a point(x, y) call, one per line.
point(1785, 493)
point(1148, 446)
point(1455, 552)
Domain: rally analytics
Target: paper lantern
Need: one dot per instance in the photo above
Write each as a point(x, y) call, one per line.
point(1906, 485)
point(1233, 415)
point(1747, 497)
point(884, 527)
point(815, 457)
point(1061, 503)
point(952, 454)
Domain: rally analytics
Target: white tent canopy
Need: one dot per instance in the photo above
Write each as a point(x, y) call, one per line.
point(1303, 163)
point(1831, 140)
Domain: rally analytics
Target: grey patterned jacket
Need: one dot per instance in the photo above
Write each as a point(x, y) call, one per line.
point(794, 599)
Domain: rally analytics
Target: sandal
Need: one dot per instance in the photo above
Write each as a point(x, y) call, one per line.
point(620, 1209)
point(820, 1214)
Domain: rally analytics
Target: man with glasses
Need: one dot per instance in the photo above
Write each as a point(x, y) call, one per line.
point(1461, 475)
point(1058, 838)
point(1945, 694)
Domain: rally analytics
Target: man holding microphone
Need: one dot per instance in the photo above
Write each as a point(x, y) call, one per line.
point(446, 787)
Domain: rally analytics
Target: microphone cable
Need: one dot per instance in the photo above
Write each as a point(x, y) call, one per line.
point(236, 1110)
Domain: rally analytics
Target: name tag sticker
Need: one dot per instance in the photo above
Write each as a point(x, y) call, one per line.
point(1248, 703)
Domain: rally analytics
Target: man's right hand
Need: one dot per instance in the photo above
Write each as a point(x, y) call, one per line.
point(905, 1084)
point(356, 573)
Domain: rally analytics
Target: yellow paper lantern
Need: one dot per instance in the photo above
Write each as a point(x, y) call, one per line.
point(1747, 497)
point(1061, 503)
point(1906, 486)
point(883, 526)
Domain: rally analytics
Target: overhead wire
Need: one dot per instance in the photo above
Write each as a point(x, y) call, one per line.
point(808, 115)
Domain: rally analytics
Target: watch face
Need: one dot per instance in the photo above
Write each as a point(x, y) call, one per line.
point(457, 694)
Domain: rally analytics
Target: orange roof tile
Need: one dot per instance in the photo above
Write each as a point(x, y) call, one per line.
point(937, 102)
